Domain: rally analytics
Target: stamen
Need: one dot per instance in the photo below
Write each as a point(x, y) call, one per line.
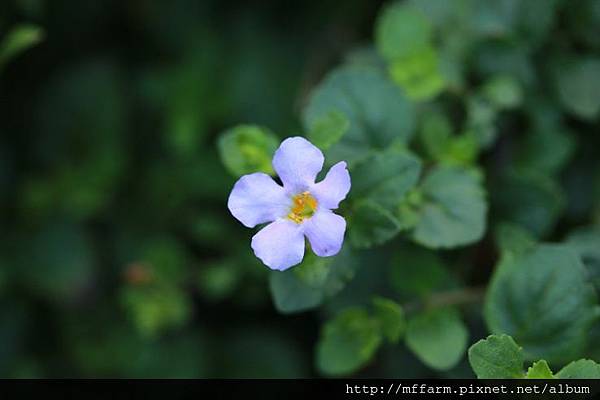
point(304, 206)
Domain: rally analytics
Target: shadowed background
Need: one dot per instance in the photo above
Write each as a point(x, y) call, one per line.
point(118, 257)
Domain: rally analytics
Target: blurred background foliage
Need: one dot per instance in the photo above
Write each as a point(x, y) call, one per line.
point(123, 126)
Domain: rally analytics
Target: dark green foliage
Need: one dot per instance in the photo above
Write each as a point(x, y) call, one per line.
point(471, 133)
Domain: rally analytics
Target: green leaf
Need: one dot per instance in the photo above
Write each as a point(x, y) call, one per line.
point(585, 242)
point(245, 149)
point(496, 357)
point(513, 238)
point(437, 337)
point(503, 91)
point(543, 299)
point(391, 318)
point(347, 342)
point(18, 40)
point(316, 279)
point(401, 30)
point(580, 369)
point(156, 308)
point(386, 177)
point(418, 74)
point(328, 129)
point(481, 119)
point(416, 272)
point(435, 133)
point(379, 114)
point(539, 370)
point(546, 151)
point(578, 86)
point(371, 225)
point(529, 199)
point(454, 209)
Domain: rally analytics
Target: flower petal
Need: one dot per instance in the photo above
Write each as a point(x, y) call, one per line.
point(325, 231)
point(297, 162)
point(279, 245)
point(257, 198)
point(334, 188)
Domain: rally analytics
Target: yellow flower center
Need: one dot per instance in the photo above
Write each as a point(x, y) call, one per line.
point(304, 206)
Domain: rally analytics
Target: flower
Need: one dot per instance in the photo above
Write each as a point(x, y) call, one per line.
point(300, 208)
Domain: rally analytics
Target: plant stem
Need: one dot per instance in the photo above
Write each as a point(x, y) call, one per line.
point(450, 298)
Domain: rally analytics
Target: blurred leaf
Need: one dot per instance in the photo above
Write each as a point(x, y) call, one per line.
point(386, 177)
point(416, 272)
point(578, 86)
point(418, 74)
point(438, 337)
point(401, 30)
point(503, 91)
point(328, 130)
point(580, 369)
point(512, 238)
point(372, 225)
point(246, 149)
point(529, 199)
point(19, 39)
point(154, 309)
point(347, 342)
point(546, 151)
point(217, 281)
point(481, 120)
point(79, 143)
point(548, 282)
point(261, 352)
point(454, 209)
point(539, 370)
point(315, 280)
point(442, 145)
point(436, 130)
point(497, 357)
point(505, 57)
point(583, 21)
point(56, 262)
point(586, 243)
point(377, 111)
point(391, 318)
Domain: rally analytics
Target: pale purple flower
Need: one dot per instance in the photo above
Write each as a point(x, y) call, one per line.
point(300, 208)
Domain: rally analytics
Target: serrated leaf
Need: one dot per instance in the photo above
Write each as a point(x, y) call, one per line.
point(328, 129)
point(401, 30)
point(437, 337)
point(379, 114)
point(347, 342)
point(539, 370)
point(316, 279)
point(496, 357)
point(391, 318)
point(245, 149)
point(543, 299)
point(454, 209)
point(580, 369)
